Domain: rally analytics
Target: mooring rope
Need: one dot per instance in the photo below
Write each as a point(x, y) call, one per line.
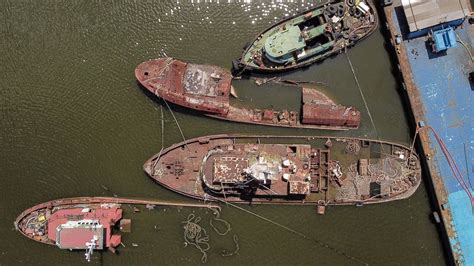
point(176, 121)
point(195, 235)
point(449, 159)
point(320, 243)
point(162, 138)
point(162, 129)
point(363, 97)
point(217, 218)
point(226, 253)
point(285, 82)
point(465, 46)
point(360, 91)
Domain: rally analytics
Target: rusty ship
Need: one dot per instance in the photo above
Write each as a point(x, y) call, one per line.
point(308, 37)
point(83, 223)
point(207, 89)
point(263, 169)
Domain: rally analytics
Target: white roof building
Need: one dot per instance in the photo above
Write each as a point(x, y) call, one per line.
point(422, 14)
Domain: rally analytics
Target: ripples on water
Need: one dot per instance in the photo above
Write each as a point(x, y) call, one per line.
point(75, 123)
point(219, 22)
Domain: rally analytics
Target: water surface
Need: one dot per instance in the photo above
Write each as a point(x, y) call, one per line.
point(74, 120)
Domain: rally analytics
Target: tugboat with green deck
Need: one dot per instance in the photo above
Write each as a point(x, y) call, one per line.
point(309, 37)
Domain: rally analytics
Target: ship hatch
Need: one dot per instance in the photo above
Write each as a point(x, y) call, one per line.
point(375, 189)
point(299, 187)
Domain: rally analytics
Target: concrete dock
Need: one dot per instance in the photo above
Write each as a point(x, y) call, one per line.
point(440, 93)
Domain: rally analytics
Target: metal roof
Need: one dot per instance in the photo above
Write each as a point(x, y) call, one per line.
point(444, 39)
point(76, 236)
point(422, 14)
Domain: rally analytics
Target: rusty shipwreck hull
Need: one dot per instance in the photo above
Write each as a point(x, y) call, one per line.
point(22, 221)
point(206, 89)
point(166, 169)
point(93, 201)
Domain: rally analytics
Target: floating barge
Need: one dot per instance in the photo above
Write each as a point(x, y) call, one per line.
point(433, 43)
point(207, 89)
point(309, 37)
point(311, 170)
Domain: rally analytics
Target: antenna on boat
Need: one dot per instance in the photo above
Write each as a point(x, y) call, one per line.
point(90, 248)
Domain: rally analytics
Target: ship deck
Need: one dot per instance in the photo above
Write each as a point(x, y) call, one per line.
point(181, 166)
point(440, 95)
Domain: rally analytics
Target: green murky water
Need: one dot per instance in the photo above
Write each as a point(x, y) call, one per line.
point(73, 120)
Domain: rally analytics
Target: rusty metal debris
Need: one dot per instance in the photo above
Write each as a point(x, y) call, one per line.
point(84, 222)
point(241, 168)
point(207, 88)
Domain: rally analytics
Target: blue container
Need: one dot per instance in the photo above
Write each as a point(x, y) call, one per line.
point(443, 39)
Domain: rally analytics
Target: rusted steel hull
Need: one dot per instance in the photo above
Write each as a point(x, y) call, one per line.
point(35, 222)
point(21, 222)
point(311, 170)
point(252, 59)
point(206, 89)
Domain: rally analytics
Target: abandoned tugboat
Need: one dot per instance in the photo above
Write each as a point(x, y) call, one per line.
point(207, 88)
point(308, 37)
point(74, 223)
point(262, 169)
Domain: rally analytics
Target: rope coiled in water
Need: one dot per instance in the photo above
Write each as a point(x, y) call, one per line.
point(226, 253)
point(217, 218)
point(195, 235)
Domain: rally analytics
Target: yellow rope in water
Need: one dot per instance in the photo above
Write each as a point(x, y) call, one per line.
point(162, 139)
point(176, 120)
point(226, 253)
point(363, 98)
point(320, 243)
point(217, 218)
point(195, 235)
